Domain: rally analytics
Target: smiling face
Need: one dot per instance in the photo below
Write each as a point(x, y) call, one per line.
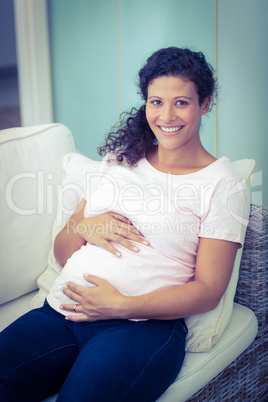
point(173, 112)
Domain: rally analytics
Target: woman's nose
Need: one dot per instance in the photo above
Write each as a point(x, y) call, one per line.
point(167, 114)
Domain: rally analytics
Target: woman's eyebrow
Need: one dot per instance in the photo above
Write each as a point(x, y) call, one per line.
point(154, 96)
point(176, 97)
point(183, 96)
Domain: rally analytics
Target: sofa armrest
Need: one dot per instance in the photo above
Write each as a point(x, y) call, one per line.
point(246, 377)
point(253, 275)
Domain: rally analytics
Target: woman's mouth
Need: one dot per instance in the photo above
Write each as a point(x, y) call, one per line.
point(170, 130)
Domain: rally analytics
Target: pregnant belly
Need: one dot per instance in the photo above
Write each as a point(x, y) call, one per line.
point(132, 273)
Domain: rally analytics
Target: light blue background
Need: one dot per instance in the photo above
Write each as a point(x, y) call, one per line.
point(243, 97)
point(98, 46)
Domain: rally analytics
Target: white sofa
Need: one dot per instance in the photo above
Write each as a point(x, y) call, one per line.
point(31, 170)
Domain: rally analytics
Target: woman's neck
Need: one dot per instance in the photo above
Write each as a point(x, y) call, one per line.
point(180, 161)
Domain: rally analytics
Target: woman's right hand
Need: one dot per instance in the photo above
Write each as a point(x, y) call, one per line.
point(100, 230)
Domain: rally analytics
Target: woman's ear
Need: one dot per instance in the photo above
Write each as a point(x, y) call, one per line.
point(205, 105)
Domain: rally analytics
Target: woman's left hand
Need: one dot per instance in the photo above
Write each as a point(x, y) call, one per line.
point(101, 302)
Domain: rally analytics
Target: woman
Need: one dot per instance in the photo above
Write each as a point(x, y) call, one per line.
point(112, 329)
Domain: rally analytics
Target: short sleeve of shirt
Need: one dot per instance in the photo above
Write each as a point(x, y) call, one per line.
point(227, 215)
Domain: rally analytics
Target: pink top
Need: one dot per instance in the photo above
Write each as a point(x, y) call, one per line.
point(172, 212)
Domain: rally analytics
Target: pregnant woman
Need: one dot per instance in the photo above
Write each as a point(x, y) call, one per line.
point(153, 243)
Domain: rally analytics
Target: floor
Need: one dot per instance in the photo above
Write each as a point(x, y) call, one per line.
point(9, 102)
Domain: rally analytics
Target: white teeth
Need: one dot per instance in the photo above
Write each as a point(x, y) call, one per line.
point(171, 129)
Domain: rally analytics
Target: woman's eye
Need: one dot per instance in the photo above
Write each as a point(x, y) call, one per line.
point(181, 103)
point(157, 102)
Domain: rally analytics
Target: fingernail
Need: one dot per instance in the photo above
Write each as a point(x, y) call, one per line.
point(135, 249)
point(118, 254)
point(145, 242)
point(66, 318)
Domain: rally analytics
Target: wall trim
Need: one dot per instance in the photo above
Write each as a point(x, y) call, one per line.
point(32, 41)
point(215, 66)
point(119, 61)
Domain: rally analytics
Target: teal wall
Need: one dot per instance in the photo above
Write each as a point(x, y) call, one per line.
point(242, 73)
point(97, 48)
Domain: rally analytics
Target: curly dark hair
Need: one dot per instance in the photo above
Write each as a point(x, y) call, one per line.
point(133, 138)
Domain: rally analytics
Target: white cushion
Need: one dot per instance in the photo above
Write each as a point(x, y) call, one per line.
point(30, 165)
point(14, 309)
point(74, 167)
point(204, 330)
point(198, 369)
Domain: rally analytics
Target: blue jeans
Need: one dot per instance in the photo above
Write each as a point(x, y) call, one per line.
point(115, 360)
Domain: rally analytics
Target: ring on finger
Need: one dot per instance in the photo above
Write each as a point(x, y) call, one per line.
point(74, 307)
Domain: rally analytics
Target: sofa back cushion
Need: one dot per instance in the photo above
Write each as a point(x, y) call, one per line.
point(31, 173)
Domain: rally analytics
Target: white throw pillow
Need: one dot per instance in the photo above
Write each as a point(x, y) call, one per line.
point(75, 166)
point(204, 330)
